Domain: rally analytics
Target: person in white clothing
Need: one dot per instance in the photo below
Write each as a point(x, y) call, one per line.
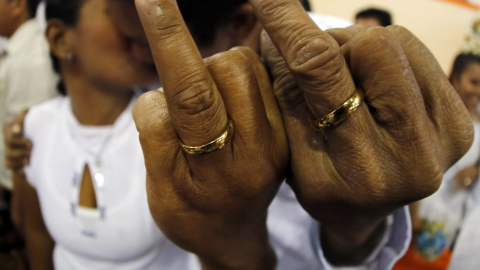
point(216, 205)
point(26, 78)
point(85, 201)
point(26, 73)
point(462, 188)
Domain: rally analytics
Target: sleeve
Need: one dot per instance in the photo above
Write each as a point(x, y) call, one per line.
point(391, 248)
point(31, 79)
point(28, 130)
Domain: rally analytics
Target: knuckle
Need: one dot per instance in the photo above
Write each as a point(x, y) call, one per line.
point(273, 10)
point(397, 29)
point(224, 60)
point(376, 40)
point(316, 59)
point(193, 95)
point(167, 33)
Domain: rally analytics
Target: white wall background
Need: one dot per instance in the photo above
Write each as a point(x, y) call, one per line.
point(441, 25)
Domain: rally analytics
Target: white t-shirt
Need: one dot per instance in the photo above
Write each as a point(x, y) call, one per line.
point(121, 233)
point(26, 78)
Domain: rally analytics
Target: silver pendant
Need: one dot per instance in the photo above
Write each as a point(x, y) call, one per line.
point(98, 162)
point(99, 180)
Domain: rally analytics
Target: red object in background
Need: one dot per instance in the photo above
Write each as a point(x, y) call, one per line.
point(413, 261)
point(464, 3)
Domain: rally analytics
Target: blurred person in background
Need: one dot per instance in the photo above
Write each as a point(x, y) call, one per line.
point(84, 199)
point(373, 17)
point(26, 78)
point(448, 220)
point(306, 4)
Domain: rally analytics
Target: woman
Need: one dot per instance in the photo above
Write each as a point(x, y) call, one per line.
point(86, 199)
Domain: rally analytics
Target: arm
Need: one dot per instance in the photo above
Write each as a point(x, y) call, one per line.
point(17, 154)
point(39, 244)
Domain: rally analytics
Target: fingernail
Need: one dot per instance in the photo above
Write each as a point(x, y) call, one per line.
point(16, 129)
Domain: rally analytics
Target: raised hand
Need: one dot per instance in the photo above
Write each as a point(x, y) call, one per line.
point(393, 150)
point(211, 203)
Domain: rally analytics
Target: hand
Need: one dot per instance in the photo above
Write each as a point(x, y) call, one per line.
point(214, 205)
point(392, 151)
point(17, 148)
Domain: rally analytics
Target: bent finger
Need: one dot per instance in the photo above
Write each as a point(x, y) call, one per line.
point(312, 56)
point(442, 103)
point(158, 140)
point(265, 86)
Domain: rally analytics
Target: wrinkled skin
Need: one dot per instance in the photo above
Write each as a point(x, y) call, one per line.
point(218, 202)
point(17, 147)
point(392, 151)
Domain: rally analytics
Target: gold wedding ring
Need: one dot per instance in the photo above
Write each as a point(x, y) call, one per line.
point(341, 113)
point(212, 146)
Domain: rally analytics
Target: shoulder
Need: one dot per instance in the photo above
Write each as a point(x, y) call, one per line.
point(40, 116)
point(29, 46)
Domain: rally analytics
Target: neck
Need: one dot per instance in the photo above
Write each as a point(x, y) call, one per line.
point(94, 104)
point(16, 25)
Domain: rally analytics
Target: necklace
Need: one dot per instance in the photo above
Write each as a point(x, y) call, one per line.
point(96, 155)
point(87, 149)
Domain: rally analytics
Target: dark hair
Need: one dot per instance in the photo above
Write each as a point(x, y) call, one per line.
point(32, 7)
point(66, 11)
point(204, 17)
point(381, 15)
point(306, 5)
point(462, 61)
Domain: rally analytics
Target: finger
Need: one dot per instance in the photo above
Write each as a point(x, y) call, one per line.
point(342, 35)
point(158, 140)
point(196, 108)
point(287, 94)
point(395, 103)
point(237, 82)
point(444, 106)
point(14, 163)
point(311, 55)
point(18, 142)
point(238, 85)
point(15, 127)
point(264, 84)
point(373, 55)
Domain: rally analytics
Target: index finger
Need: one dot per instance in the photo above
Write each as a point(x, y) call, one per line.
point(196, 107)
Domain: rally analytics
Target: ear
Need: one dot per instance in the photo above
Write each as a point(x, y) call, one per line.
point(245, 28)
point(60, 38)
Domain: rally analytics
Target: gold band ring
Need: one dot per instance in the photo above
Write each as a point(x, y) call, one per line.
point(341, 113)
point(212, 146)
